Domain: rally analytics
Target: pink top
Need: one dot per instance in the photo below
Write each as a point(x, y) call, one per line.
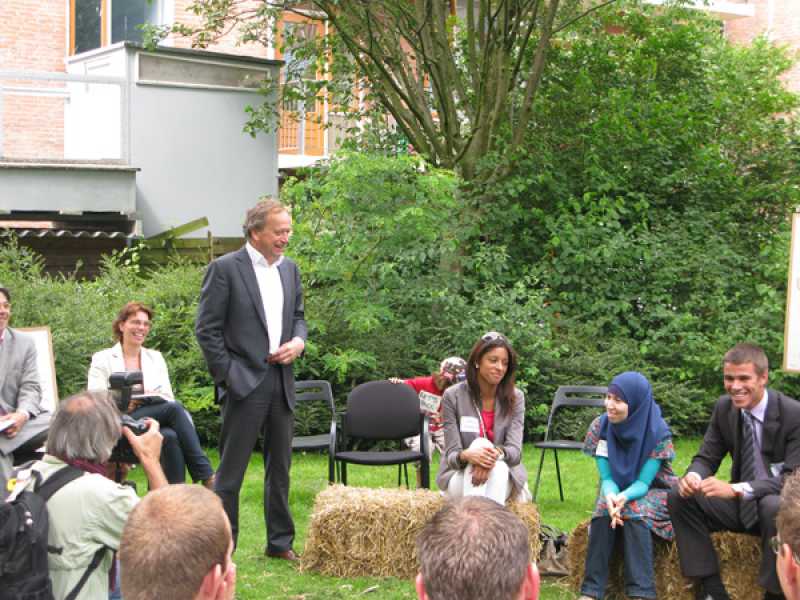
point(488, 422)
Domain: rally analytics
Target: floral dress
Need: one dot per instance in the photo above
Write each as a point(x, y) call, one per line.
point(652, 507)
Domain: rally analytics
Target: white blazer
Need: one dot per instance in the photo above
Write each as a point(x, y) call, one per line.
point(110, 360)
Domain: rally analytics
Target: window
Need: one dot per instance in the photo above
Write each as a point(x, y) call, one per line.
point(96, 23)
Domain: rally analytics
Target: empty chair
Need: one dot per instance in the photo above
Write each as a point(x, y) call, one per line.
point(379, 410)
point(317, 395)
point(588, 396)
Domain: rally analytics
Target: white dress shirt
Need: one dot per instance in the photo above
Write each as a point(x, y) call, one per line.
point(271, 290)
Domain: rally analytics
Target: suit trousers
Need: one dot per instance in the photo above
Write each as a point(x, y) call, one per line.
point(181, 447)
point(696, 517)
point(264, 410)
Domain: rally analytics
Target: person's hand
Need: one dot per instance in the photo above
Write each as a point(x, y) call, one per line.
point(146, 447)
point(287, 352)
point(480, 475)
point(714, 488)
point(19, 419)
point(481, 457)
point(614, 503)
point(689, 485)
point(395, 380)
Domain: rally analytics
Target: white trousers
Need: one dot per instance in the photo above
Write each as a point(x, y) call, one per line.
point(497, 487)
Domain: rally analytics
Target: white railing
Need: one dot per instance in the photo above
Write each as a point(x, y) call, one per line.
point(94, 119)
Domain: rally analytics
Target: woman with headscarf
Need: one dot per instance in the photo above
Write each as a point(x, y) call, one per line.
point(632, 445)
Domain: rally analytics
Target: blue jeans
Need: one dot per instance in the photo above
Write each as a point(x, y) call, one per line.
point(181, 447)
point(637, 552)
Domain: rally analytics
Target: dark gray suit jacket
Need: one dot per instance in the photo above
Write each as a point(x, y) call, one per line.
point(20, 388)
point(780, 442)
point(231, 327)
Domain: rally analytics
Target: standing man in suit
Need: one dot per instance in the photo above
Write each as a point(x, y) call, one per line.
point(23, 420)
point(251, 327)
point(760, 429)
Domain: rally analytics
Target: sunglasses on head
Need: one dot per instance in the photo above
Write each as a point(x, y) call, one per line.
point(492, 336)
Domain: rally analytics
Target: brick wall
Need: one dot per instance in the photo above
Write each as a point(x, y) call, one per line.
point(33, 37)
point(228, 44)
point(784, 18)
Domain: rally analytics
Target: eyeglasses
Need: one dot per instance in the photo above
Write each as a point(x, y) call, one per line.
point(492, 336)
point(776, 544)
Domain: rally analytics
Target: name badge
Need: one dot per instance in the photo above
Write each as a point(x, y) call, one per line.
point(602, 449)
point(470, 425)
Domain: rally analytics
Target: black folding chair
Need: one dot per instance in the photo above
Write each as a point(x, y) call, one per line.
point(307, 393)
point(576, 396)
point(379, 410)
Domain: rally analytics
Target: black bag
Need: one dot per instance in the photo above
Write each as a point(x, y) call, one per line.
point(24, 524)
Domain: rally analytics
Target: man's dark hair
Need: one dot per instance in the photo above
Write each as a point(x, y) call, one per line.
point(6, 293)
point(747, 353)
point(473, 549)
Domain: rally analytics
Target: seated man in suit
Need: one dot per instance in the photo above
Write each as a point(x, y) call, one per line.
point(475, 548)
point(787, 543)
point(23, 420)
point(760, 429)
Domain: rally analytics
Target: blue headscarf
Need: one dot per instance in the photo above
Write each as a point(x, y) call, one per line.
point(631, 442)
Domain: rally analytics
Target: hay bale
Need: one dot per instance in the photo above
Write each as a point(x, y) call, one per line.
point(362, 531)
point(739, 556)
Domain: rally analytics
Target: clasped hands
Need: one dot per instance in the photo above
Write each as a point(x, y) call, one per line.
point(691, 484)
point(482, 461)
point(615, 504)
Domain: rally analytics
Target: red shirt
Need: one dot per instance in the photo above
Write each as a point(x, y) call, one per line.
point(488, 422)
point(426, 384)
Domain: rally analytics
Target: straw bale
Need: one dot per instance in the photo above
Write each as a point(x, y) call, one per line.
point(362, 531)
point(739, 556)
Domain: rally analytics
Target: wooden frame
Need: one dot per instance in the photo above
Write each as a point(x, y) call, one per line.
point(45, 363)
point(791, 333)
point(105, 26)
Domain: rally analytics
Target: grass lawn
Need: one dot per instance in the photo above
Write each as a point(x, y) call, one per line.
point(262, 578)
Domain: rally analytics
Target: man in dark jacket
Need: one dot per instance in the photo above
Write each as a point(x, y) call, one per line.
point(760, 429)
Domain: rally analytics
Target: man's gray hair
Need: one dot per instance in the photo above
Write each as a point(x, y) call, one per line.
point(256, 217)
point(473, 548)
point(86, 426)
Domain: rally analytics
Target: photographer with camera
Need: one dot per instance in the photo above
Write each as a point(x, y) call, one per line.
point(87, 515)
point(129, 366)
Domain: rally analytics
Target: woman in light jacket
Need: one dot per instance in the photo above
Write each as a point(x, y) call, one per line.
point(483, 424)
point(181, 447)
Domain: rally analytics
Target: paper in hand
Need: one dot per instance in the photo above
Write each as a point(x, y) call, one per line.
point(429, 402)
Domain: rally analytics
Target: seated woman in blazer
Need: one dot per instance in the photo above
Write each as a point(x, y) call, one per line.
point(483, 422)
point(181, 447)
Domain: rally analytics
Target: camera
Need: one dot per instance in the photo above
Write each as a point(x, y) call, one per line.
point(121, 385)
point(123, 452)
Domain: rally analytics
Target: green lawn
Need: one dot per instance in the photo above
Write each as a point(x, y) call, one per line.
point(262, 579)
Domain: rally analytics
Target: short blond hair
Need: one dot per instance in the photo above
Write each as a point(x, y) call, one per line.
point(172, 539)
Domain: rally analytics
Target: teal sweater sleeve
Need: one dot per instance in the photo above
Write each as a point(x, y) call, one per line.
point(607, 485)
point(635, 490)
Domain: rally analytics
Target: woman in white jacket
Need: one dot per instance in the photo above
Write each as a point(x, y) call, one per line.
point(181, 447)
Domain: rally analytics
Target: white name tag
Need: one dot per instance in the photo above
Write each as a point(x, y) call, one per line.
point(602, 449)
point(470, 425)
